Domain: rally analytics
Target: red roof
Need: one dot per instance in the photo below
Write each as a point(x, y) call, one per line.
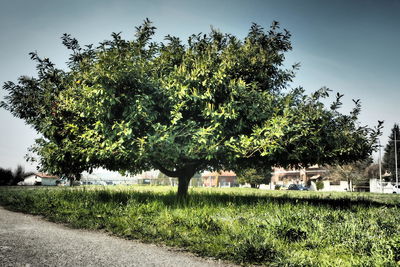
point(222, 173)
point(46, 175)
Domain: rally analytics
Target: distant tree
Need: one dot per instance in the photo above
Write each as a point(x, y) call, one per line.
point(7, 177)
point(353, 173)
point(389, 155)
point(372, 171)
point(213, 103)
point(59, 158)
point(254, 177)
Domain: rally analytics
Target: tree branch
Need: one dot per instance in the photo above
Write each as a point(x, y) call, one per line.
point(165, 171)
point(187, 170)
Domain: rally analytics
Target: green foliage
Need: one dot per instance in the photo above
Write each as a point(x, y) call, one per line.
point(255, 249)
point(246, 226)
point(6, 176)
point(254, 177)
point(216, 102)
point(389, 155)
point(292, 233)
point(319, 185)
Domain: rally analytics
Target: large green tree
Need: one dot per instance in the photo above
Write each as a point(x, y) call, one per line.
point(215, 102)
point(389, 161)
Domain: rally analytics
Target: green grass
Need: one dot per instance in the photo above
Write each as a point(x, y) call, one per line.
point(246, 226)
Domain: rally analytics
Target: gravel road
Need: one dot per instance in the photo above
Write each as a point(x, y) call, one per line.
point(27, 240)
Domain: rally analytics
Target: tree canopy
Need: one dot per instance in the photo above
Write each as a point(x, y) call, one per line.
point(389, 161)
point(214, 102)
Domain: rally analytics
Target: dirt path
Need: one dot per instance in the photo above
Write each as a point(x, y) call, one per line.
point(27, 240)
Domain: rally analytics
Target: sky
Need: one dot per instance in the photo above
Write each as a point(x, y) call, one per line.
point(352, 47)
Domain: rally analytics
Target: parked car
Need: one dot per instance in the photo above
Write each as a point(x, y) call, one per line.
point(297, 187)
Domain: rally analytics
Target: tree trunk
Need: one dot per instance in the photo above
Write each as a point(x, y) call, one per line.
point(183, 186)
point(349, 185)
point(183, 174)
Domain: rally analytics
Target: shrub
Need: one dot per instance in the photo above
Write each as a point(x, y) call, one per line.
point(319, 185)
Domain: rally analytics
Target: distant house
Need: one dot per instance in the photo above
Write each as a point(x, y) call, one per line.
point(297, 176)
point(40, 179)
point(48, 179)
point(376, 186)
point(220, 179)
point(31, 180)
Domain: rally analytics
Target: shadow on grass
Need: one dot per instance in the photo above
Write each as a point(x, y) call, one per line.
point(208, 198)
point(216, 199)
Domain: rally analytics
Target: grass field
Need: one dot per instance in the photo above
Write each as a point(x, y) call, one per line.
point(246, 226)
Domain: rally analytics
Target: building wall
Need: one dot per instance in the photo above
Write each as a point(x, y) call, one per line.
point(296, 176)
point(341, 187)
point(210, 181)
point(31, 180)
point(215, 180)
point(376, 187)
point(49, 181)
point(227, 181)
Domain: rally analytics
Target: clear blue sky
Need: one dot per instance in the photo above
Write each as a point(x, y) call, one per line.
point(349, 46)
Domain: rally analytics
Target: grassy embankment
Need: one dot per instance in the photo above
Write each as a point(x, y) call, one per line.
point(275, 228)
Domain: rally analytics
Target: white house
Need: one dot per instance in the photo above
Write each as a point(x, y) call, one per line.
point(31, 180)
point(386, 187)
point(40, 178)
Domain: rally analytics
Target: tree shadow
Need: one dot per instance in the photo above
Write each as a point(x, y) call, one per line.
point(217, 199)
